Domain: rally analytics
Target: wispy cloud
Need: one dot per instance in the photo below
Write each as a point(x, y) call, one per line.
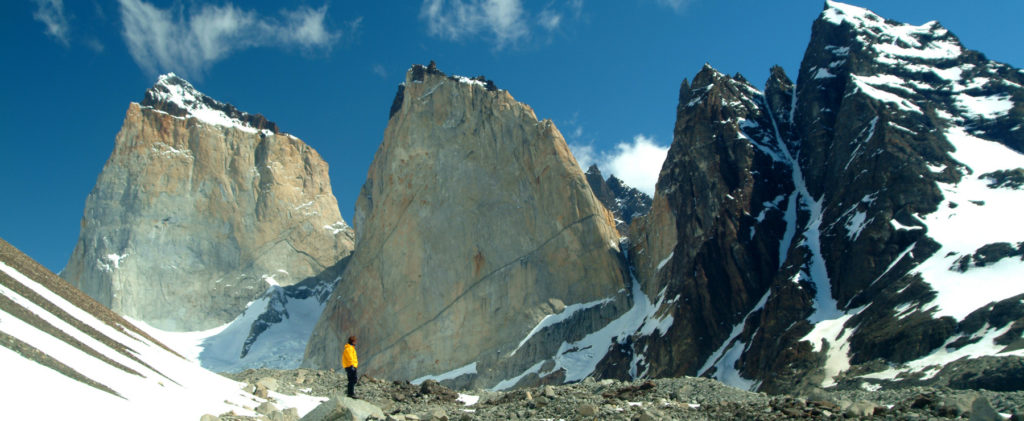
point(95, 45)
point(379, 70)
point(189, 41)
point(637, 164)
point(549, 19)
point(51, 14)
point(457, 19)
point(679, 6)
point(506, 22)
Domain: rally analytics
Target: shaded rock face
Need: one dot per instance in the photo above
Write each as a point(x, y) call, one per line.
point(196, 214)
point(626, 203)
point(475, 222)
point(710, 243)
point(824, 226)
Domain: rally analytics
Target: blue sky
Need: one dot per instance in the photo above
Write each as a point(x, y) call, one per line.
point(606, 72)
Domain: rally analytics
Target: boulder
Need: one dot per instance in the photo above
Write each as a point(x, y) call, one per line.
point(266, 408)
point(268, 383)
point(981, 410)
point(342, 408)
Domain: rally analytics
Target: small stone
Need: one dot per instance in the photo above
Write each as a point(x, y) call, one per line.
point(261, 391)
point(645, 417)
point(438, 415)
point(208, 417)
point(549, 392)
point(587, 410)
point(266, 408)
point(860, 409)
point(957, 405)
point(291, 414)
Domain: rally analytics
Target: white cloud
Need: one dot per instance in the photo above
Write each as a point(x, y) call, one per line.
point(305, 26)
point(637, 164)
point(457, 19)
point(506, 22)
point(51, 14)
point(189, 42)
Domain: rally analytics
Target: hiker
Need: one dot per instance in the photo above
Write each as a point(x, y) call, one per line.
point(350, 362)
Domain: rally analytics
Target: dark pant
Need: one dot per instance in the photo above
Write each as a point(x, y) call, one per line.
point(352, 377)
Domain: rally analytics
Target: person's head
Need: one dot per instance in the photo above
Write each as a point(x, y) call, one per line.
point(352, 340)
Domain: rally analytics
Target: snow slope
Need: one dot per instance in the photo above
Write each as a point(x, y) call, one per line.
point(64, 356)
point(272, 332)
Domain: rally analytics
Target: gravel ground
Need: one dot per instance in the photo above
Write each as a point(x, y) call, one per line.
point(685, 398)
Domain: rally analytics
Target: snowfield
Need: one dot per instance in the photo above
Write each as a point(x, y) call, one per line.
point(99, 369)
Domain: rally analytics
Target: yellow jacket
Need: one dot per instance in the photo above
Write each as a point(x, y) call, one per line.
point(348, 357)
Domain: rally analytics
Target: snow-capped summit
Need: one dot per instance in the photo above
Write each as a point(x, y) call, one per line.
point(176, 96)
point(906, 65)
point(884, 30)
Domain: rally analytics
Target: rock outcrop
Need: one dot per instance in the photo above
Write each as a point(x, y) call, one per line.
point(199, 210)
point(475, 223)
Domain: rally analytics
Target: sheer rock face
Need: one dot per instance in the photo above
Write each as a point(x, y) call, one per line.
point(475, 222)
point(711, 238)
point(198, 211)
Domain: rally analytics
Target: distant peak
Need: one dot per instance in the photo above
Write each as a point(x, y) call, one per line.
point(176, 96)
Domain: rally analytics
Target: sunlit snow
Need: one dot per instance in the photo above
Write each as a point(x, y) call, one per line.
point(468, 369)
point(981, 216)
point(187, 98)
point(174, 388)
